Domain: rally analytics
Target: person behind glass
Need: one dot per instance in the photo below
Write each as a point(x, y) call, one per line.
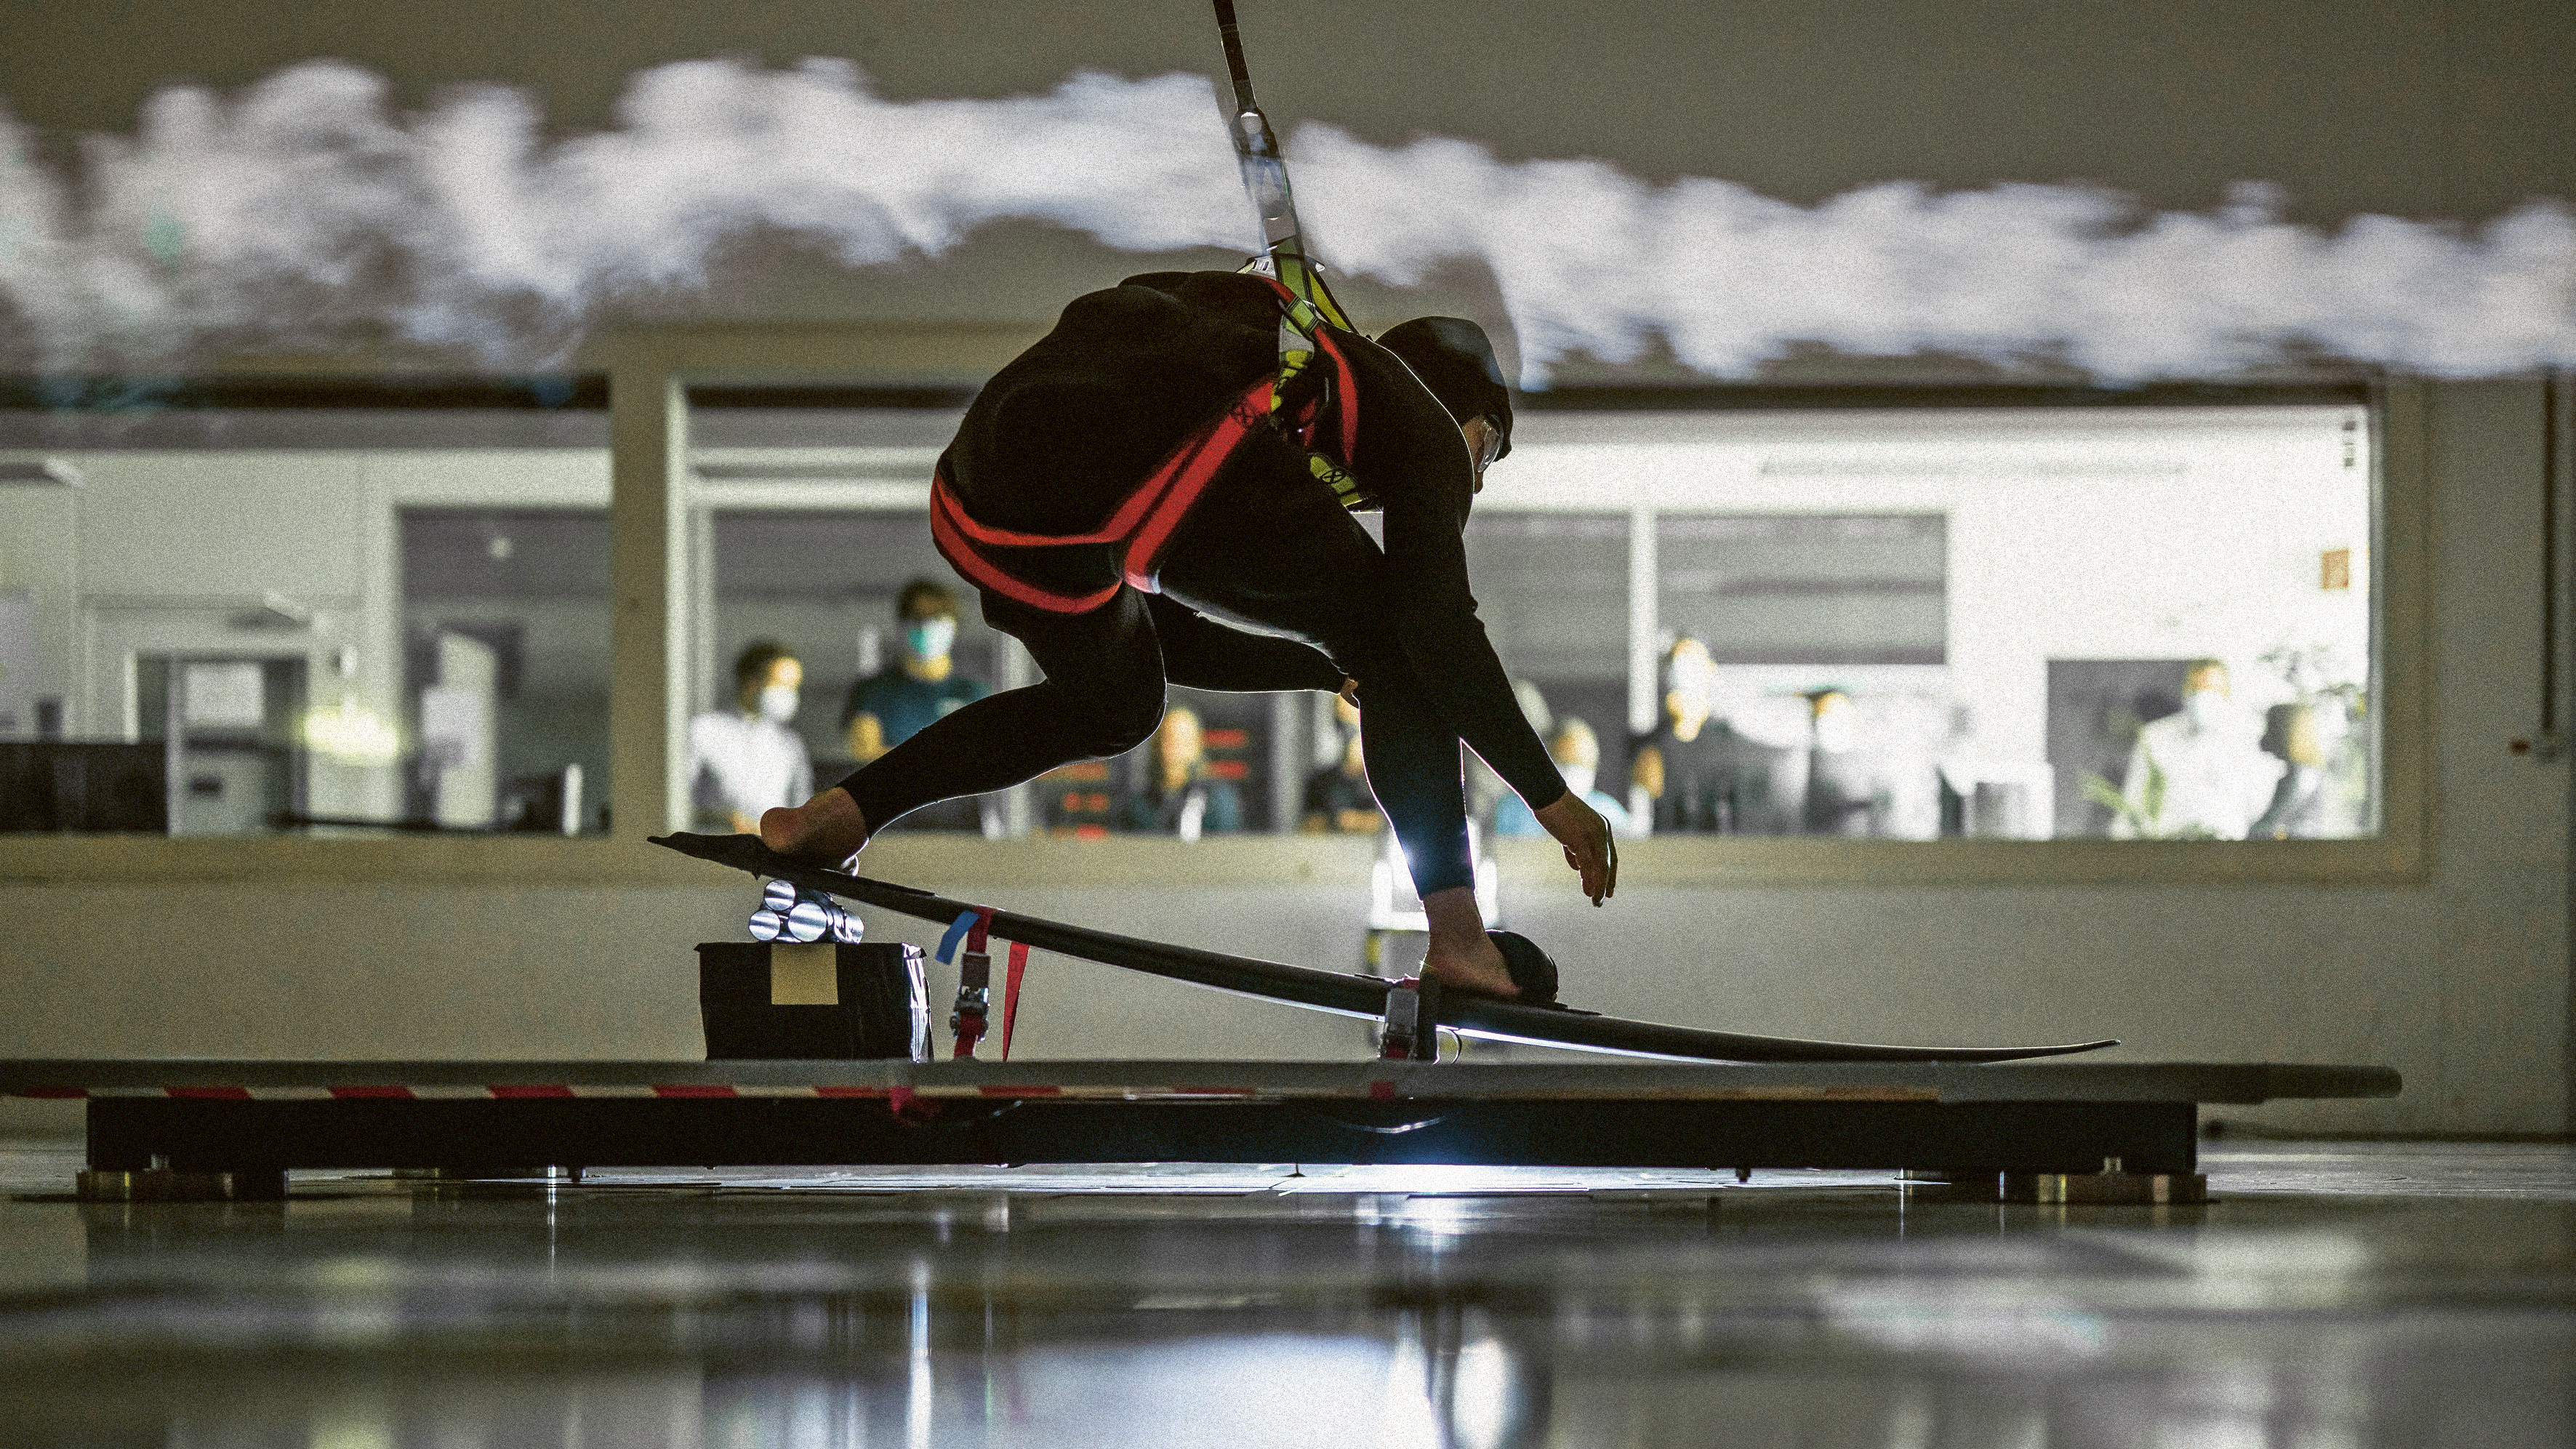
point(2200, 774)
point(2300, 803)
point(1845, 794)
point(1142, 473)
point(746, 760)
point(1577, 752)
point(1702, 775)
point(1180, 796)
point(892, 705)
point(1337, 799)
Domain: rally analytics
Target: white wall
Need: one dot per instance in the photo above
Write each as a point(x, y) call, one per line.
point(39, 529)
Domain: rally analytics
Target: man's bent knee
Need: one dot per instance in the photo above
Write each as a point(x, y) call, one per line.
point(1122, 726)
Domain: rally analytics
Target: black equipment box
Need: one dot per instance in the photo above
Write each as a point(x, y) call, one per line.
point(774, 1001)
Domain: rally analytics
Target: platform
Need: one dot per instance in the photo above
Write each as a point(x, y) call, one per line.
point(257, 1119)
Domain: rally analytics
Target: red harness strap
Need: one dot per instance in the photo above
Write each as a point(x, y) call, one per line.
point(1145, 521)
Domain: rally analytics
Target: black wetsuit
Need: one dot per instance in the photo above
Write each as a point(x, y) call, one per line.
point(1069, 429)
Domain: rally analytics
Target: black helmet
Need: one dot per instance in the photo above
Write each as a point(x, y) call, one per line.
point(1453, 358)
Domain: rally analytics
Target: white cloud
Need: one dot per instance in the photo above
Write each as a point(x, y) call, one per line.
point(306, 212)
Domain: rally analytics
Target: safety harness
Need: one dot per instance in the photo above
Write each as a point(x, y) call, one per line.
point(1325, 425)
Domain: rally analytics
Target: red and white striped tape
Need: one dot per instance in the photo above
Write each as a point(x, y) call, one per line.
point(537, 1091)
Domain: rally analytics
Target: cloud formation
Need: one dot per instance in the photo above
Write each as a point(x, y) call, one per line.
point(305, 212)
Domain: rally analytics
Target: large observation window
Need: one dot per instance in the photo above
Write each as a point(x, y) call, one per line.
point(243, 610)
point(506, 643)
point(2095, 622)
point(2100, 622)
point(2108, 630)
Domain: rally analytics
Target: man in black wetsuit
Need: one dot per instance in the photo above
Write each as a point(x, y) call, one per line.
point(1039, 503)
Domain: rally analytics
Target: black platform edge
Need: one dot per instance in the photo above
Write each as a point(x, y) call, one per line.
point(261, 1140)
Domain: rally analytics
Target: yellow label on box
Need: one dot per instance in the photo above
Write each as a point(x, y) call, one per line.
point(804, 975)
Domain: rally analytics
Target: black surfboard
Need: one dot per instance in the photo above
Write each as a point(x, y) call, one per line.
point(1344, 992)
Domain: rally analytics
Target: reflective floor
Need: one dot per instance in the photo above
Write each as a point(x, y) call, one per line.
point(2334, 1295)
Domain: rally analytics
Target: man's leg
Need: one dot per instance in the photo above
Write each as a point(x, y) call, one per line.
point(1102, 695)
point(1200, 653)
point(1287, 556)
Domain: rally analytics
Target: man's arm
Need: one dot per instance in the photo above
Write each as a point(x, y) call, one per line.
point(1437, 624)
point(1425, 490)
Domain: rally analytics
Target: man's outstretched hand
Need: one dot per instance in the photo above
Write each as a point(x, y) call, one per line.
point(1588, 846)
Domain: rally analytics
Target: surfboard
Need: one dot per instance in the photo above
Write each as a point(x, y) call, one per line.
point(1346, 993)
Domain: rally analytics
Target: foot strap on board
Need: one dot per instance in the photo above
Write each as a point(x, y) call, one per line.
point(1533, 970)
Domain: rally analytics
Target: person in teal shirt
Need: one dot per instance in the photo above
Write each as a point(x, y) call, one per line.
point(1180, 796)
point(897, 702)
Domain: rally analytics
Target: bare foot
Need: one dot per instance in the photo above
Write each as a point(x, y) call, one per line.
point(1461, 954)
point(829, 828)
point(1479, 968)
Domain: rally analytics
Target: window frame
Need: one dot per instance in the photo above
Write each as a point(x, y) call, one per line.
point(652, 368)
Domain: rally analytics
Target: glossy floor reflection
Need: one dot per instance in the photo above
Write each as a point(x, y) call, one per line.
point(2335, 1297)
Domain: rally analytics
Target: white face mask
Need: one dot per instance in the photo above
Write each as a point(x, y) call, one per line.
point(2205, 706)
point(1695, 680)
point(1578, 778)
point(778, 703)
point(929, 638)
point(1837, 731)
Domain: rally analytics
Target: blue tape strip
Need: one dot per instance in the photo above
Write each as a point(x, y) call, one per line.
point(957, 930)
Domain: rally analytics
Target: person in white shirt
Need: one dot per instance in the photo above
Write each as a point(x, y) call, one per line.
point(2200, 774)
point(745, 760)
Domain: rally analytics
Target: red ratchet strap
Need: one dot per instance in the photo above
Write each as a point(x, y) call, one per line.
point(1011, 993)
point(974, 986)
